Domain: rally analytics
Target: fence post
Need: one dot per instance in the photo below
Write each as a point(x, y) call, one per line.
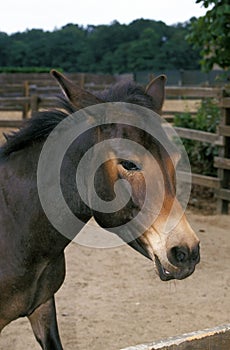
point(82, 80)
point(222, 162)
point(26, 106)
point(34, 103)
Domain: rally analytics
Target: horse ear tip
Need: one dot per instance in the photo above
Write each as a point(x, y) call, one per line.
point(163, 77)
point(54, 73)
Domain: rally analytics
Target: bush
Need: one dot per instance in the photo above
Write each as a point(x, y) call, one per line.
point(201, 154)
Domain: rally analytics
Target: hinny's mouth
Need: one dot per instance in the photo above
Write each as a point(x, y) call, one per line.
point(164, 274)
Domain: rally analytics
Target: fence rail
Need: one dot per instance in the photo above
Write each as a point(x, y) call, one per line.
point(198, 135)
point(33, 95)
point(202, 180)
point(217, 338)
point(194, 92)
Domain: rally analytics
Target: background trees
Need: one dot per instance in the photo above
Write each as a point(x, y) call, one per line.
point(114, 48)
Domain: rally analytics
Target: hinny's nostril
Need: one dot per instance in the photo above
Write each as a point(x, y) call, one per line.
point(180, 254)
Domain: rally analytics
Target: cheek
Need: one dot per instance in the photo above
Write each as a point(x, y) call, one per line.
point(138, 185)
point(104, 180)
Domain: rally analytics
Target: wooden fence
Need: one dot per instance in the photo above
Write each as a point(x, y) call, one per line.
point(221, 138)
point(33, 95)
point(18, 91)
point(217, 338)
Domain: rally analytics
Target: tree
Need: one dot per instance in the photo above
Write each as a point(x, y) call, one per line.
point(4, 48)
point(211, 33)
point(115, 48)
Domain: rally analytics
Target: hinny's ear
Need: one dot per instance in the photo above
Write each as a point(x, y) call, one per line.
point(156, 89)
point(78, 97)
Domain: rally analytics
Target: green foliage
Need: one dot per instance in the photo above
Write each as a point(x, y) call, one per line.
point(114, 48)
point(201, 154)
point(27, 69)
point(211, 33)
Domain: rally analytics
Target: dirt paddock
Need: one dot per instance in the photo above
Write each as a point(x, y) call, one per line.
point(112, 298)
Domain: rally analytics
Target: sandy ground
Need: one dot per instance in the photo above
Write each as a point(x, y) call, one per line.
point(112, 298)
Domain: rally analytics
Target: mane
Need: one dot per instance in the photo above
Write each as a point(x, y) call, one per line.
point(41, 124)
point(127, 91)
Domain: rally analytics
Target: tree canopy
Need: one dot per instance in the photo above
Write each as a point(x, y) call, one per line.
point(115, 48)
point(212, 34)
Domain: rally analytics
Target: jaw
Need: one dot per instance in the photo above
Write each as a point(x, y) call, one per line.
point(138, 245)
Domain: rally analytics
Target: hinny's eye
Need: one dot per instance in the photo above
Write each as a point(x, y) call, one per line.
point(130, 166)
